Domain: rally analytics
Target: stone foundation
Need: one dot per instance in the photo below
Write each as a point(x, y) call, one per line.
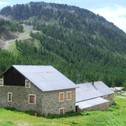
point(110, 98)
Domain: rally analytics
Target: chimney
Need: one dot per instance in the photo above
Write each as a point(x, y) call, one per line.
point(93, 82)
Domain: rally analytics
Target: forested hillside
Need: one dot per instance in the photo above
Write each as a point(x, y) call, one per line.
point(82, 45)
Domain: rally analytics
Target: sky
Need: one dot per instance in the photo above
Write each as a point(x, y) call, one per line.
point(113, 10)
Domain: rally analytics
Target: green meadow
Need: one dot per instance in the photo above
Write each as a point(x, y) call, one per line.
point(114, 116)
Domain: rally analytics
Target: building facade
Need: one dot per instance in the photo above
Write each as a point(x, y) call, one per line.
point(19, 89)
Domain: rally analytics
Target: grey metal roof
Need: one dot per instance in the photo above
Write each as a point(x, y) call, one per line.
point(88, 91)
point(46, 78)
point(90, 103)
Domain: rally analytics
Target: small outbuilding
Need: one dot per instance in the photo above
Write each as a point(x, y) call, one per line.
point(93, 95)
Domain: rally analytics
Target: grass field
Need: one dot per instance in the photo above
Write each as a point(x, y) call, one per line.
point(114, 116)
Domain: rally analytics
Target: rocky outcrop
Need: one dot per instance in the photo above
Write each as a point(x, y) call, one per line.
point(5, 36)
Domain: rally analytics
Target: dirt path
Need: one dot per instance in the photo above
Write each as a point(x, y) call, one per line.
point(20, 36)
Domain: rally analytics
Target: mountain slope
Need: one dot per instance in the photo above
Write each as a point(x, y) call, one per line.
point(82, 45)
point(8, 29)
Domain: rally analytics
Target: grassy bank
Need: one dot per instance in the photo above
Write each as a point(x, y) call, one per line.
point(115, 116)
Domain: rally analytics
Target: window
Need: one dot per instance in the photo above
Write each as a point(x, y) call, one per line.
point(32, 99)
point(69, 95)
point(1, 81)
point(61, 96)
point(9, 96)
point(61, 111)
point(27, 84)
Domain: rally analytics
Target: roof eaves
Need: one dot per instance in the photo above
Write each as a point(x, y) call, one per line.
point(59, 89)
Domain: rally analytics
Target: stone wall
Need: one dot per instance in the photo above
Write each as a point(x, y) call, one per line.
point(110, 98)
point(103, 106)
point(20, 98)
point(51, 104)
point(46, 102)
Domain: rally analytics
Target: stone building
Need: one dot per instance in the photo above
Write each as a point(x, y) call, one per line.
point(93, 95)
point(40, 89)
